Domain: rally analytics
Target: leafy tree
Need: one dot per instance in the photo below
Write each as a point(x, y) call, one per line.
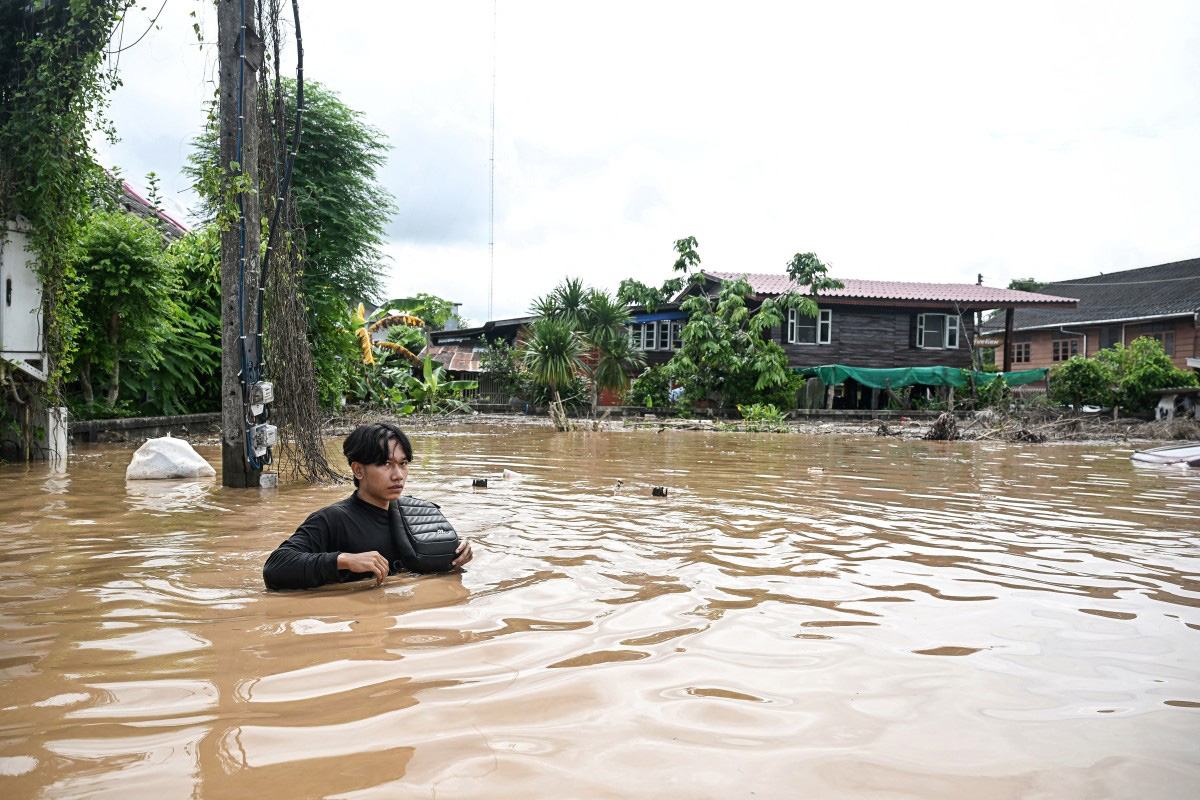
point(54, 84)
point(187, 377)
point(553, 354)
point(1122, 375)
point(601, 323)
point(342, 209)
point(501, 364)
point(652, 388)
point(1026, 284)
point(604, 325)
point(435, 310)
point(1141, 368)
point(725, 352)
point(124, 289)
point(635, 293)
point(1080, 381)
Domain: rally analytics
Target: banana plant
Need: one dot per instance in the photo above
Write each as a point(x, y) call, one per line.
point(433, 393)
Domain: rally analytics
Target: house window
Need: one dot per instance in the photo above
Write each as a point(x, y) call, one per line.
point(658, 335)
point(1164, 332)
point(1110, 336)
point(1062, 349)
point(810, 330)
point(1021, 352)
point(937, 331)
point(1165, 338)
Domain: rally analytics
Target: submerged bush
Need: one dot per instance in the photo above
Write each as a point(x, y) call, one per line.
point(762, 412)
point(1080, 381)
point(1119, 374)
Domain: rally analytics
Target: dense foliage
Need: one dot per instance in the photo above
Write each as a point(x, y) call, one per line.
point(1082, 381)
point(342, 209)
point(148, 337)
point(53, 88)
point(552, 353)
point(123, 291)
point(598, 323)
point(651, 389)
point(1119, 375)
point(1026, 284)
point(504, 367)
point(727, 355)
point(388, 375)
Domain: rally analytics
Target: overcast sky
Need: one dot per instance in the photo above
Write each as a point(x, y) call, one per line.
point(898, 141)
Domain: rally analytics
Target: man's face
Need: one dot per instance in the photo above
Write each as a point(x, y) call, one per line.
point(381, 483)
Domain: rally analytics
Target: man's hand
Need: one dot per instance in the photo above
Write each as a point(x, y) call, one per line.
point(365, 562)
point(463, 554)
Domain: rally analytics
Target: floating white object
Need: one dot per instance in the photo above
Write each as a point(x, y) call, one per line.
point(166, 458)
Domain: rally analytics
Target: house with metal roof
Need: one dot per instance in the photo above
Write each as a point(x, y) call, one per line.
point(1162, 302)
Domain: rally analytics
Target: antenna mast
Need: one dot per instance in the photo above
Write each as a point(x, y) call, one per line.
point(492, 178)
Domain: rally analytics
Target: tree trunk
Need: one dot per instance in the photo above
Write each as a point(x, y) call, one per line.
point(85, 380)
point(236, 471)
point(558, 414)
point(114, 377)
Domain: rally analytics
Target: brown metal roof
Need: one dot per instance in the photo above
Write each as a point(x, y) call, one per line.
point(455, 357)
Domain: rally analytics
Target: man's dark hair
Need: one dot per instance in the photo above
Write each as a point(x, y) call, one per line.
point(372, 444)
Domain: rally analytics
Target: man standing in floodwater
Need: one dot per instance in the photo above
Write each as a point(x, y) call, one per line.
point(351, 540)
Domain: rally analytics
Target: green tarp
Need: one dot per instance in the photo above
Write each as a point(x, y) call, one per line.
point(906, 376)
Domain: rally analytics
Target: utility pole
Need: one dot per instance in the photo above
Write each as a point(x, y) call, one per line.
point(240, 53)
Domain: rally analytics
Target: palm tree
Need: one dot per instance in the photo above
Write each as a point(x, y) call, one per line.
point(553, 355)
point(604, 326)
point(570, 300)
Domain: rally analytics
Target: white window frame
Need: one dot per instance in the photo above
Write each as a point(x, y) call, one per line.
point(823, 324)
point(658, 335)
point(950, 331)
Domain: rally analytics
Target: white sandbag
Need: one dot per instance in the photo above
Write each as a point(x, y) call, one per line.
point(167, 458)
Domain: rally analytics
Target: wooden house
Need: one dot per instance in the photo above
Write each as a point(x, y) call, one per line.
point(880, 324)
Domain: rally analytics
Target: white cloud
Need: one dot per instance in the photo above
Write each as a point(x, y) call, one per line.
point(917, 140)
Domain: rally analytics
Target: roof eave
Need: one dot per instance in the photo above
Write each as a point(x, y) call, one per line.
point(1074, 323)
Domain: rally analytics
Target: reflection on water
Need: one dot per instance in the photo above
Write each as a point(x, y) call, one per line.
point(831, 617)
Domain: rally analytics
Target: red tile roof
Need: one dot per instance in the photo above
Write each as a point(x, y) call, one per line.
point(987, 296)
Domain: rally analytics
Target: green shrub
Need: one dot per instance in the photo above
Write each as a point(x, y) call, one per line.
point(996, 394)
point(1123, 375)
point(1081, 381)
point(651, 389)
point(1143, 367)
point(762, 412)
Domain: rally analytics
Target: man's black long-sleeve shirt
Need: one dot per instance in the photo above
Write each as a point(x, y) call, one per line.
point(309, 558)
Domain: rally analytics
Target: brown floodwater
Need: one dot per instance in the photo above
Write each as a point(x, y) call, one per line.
point(800, 617)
